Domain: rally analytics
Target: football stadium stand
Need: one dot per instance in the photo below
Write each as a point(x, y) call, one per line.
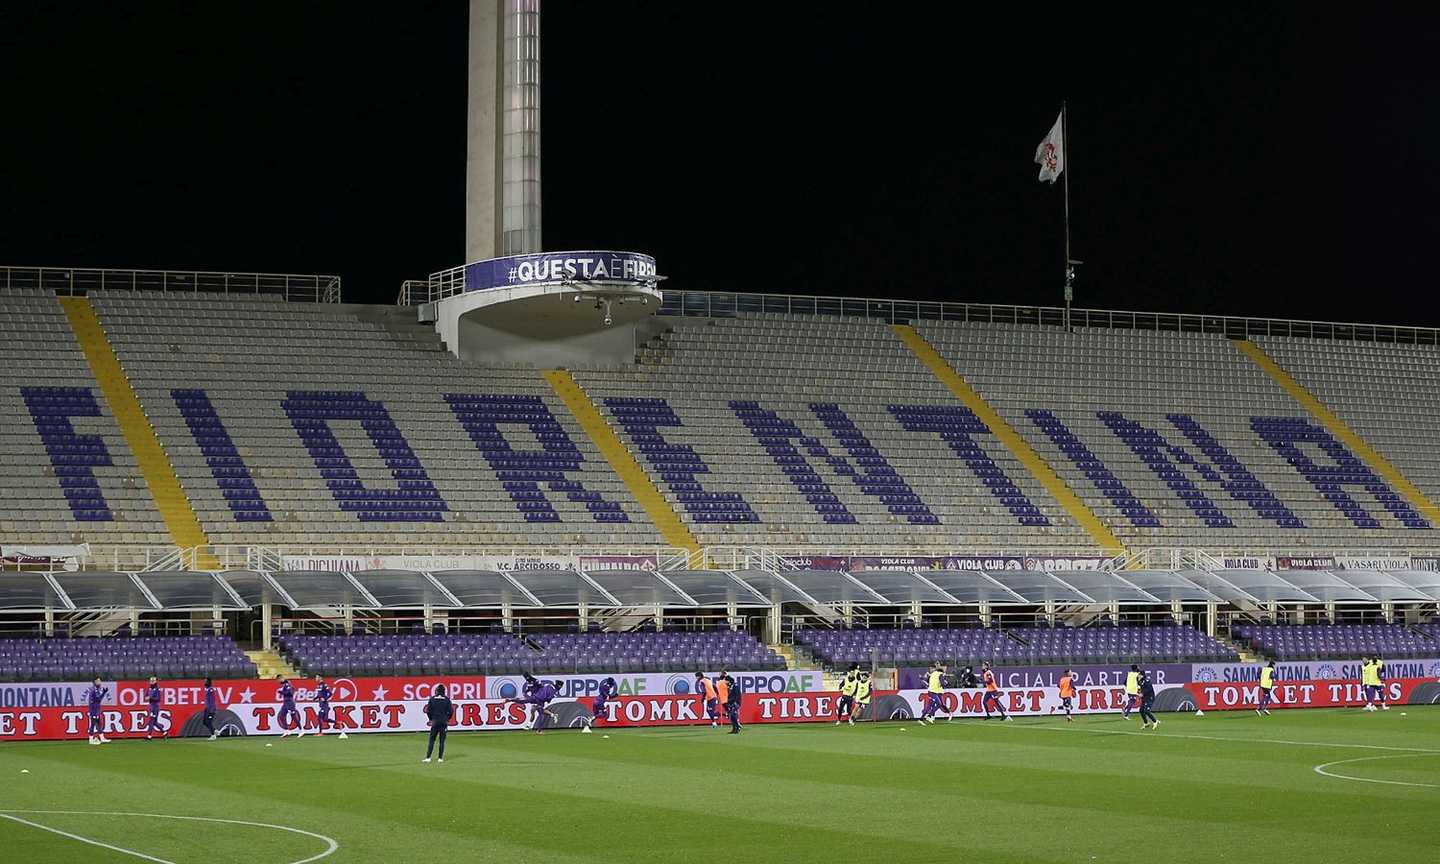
point(305, 424)
point(293, 424)
point(500, 654)
point(1179, 439)
point(137, 657)
point(814, 431)
point(146, 421)
point(66, 476)
point(1337, 641)
point(1022, 645)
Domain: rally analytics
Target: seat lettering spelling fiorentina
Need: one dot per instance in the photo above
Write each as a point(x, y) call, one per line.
point(875, 476)
point(1216, 465)
point(521, 472)
point(415, 499)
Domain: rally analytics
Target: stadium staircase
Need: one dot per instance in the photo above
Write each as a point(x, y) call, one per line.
point(150, 457)
point(270, 664)
point(1340, 430)
point(671, 527)
point(1017, 445)
point(1247, 655)
point(788, 653)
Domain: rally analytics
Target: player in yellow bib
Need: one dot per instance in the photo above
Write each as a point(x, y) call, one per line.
point(1132, 691)
point(1267, 688)
point(845, 707)
point(862, 695)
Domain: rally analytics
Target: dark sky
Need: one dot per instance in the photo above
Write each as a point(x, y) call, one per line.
point(1261, 161)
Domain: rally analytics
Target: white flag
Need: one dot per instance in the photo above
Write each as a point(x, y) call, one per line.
point(1050, 155)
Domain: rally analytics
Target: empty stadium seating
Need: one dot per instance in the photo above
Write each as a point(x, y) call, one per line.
point(495, 654)
point(1385, 392)
point(1337, 641)
point(117, 658)
point(1179, 439)
point(804, 430)
point(66, 473)
point(323, 424)
point(336, 426)
point(1031, 645)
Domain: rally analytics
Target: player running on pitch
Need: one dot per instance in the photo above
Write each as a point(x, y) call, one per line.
point(862, 696)
point(992, 692)
point(1267, 689)
point(1132, 691)
point(1373, 684)
point(709, 697)
point(211, 706)
point(539, 695)
point(93, 697)
point(322, 698)
point(1067, 695)
point(732, 701)
point(608, 689)
point(288, 709)
point(934, 695)
point(845, 705)
point(152, 704)
point(1147, 703)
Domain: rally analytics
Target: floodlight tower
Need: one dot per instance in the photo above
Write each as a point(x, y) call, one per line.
point(502, 162)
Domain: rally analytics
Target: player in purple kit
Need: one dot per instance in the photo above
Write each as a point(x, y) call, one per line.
point(539, 694)
point(608, 689)
point(211, 705)
point(322, 697)
point(93, 697)
point(152, 700)
point(288, 709)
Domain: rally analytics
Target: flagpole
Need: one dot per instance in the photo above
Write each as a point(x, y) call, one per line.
point(1065, 172)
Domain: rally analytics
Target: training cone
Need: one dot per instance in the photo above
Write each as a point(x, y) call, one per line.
point(1199, 713)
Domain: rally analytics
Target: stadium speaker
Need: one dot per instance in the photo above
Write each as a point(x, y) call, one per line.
point(227, 724)
point(1426, 694)
point(892, 708)
point(570, 715)
point(1175, 699)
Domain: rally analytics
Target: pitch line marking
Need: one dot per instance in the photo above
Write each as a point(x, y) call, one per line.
point(1320, 769)
point(119, 849)
point(1403, 750)
point(331, 845)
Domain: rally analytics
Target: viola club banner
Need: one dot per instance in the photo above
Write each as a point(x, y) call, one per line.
point(859, 564)
point(503, 563)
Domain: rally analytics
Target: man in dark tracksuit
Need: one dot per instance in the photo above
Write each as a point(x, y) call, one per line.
point(438, 710)
point(732, 703)
point(1147, 702)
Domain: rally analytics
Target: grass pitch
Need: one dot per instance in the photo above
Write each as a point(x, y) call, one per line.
point(1224, 787)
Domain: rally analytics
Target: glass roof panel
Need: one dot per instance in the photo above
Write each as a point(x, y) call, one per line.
point(402, 589)
point(313, 589)
point(188, 589)
point(638, 588)
point(483, 589)
point(102, 590)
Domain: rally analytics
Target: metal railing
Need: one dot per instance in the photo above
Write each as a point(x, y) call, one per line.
point(786, 557)
point(254, 557)
point(725, 304)
point(776, 558)
point(82, 280)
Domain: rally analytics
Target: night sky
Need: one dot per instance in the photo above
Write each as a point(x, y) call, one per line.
point(1261, 161)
